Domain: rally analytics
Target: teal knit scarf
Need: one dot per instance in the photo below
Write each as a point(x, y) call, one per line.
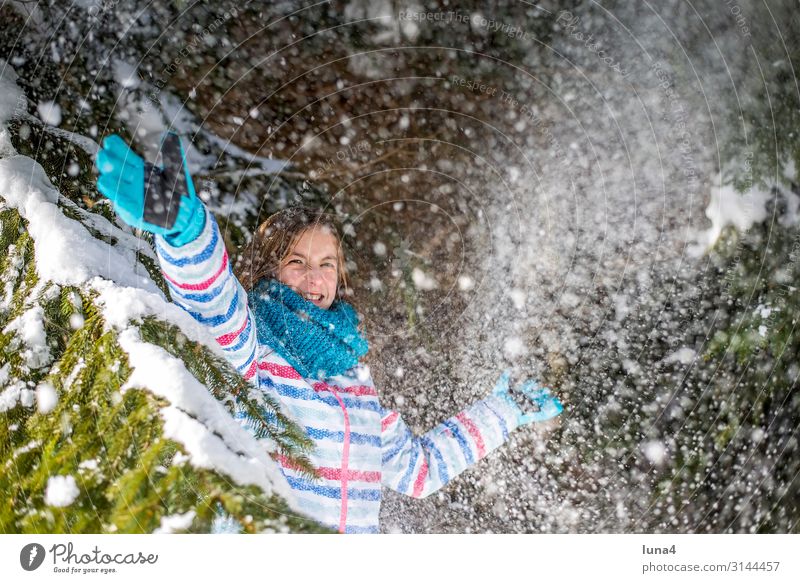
point(318, 343)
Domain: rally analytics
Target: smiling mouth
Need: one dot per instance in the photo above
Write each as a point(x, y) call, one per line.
point(313, 297)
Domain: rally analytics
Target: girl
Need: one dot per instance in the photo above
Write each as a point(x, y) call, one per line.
point(283, 322)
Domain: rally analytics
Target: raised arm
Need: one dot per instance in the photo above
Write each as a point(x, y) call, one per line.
point(191, 252)
point(201, 281)
point(420, 465)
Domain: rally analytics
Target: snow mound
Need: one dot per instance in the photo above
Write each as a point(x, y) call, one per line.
point(61, 491)
point(727, 206)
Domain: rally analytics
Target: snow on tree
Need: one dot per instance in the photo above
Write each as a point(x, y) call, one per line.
point(116, 408)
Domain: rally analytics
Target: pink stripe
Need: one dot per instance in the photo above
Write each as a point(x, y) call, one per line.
point(423, 471)
point(358, 476)
point(334, 473)
point(286, 462)
point(250, 371)
point(205, 284)
point(354, 390)
point(289, 372)
point(360, 390)
point(389, 420)
point(345, 460)
point(279, 370)
point(320, 386)
point(473, 431)
point(226, 339)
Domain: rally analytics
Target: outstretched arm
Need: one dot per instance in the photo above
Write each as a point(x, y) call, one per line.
point(201, 281)
point(191, 252)
point(419, 465)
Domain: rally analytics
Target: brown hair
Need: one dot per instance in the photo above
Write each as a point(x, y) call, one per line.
point(275, 238)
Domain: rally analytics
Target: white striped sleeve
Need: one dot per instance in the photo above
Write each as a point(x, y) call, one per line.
point(420, 465)
point(201, 281)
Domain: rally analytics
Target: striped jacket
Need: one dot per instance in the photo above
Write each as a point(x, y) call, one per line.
point(359, 445)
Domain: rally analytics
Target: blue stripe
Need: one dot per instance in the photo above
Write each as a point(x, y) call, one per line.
point(311, 412)
point(302, 393)
point(204, 255)
point(308, 414)
point(306, 394)
point(354, 529)
point(355, 403)
point(219, 319)
point(500, 419)
point(397, 448)
point(338, 436)
point(242, 368)
point(361, 529)
point(249, 422)
point(362, 511)
point(243, 338)
point(404, 481)
point(429, 445)
point(329, 492)
point(462, 441)
point(329, 453)
point(206, 297)
point(211, 306)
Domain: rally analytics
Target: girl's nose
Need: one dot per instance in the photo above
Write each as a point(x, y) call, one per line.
point(314, 275)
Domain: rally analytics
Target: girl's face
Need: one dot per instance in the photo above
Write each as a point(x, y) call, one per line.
point(312, 266)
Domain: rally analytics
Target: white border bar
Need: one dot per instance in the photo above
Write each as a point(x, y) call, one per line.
point(407, 558)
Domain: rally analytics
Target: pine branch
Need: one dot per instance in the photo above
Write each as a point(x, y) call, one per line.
point(262, 412)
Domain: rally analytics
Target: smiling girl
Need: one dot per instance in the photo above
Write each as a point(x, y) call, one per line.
point(283, 321)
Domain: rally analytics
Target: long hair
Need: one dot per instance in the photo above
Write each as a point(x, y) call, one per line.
point(275, 238)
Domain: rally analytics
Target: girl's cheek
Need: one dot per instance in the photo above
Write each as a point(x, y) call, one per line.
point(287, 275)
point(295, 272)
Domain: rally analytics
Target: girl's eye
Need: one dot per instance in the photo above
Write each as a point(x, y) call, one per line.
point(300, 262)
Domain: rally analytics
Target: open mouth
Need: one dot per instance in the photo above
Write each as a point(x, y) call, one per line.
point(316, 298)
